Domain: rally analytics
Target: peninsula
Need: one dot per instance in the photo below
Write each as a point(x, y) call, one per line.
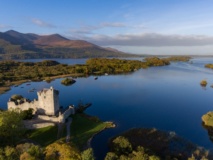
point(47, 128)
point(14, 72)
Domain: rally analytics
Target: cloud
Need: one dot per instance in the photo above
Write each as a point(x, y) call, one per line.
point(84, 30)
point(189, 27)
point(151, 40)
point(116, 24)
point(41, 23)
point(89, 29)
point(2, 26)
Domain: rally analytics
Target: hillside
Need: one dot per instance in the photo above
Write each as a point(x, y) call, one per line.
point(15, 45)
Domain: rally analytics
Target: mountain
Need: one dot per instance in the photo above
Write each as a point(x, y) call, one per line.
point(15, 45)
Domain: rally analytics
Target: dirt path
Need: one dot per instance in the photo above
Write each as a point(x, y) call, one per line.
point(68, 129)
point(60, 130)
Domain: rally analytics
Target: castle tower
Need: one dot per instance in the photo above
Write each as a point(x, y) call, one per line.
point(48, 101)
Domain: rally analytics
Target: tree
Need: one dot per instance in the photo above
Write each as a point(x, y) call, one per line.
point(27, 156)
point(87, 154)
point(10, 153)
point(27, 114)
point(26, 151)
point(2, 154)
point(35, 151)
point(111, 156)
point(61, 151)
point(11, 127)
point(30, 151)
point(67, 81)
point(121, 145)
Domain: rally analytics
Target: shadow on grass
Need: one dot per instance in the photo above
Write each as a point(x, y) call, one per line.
point(44, 136)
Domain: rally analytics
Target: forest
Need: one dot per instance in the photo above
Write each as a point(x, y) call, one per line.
point(153, 144)
point(13, 71)
point(20, 143)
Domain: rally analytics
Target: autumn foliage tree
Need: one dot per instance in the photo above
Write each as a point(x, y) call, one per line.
point(61, 151)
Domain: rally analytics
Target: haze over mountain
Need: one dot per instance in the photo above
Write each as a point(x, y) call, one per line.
point(15, 45)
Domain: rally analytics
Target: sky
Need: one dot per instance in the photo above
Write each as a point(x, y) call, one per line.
point(133, 26)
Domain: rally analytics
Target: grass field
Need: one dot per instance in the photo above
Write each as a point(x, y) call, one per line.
point(83, 127)
point(44, 136)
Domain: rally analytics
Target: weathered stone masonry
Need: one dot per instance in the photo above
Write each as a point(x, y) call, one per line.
point(47, 106)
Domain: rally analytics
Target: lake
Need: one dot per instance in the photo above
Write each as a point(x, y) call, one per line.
point(168, 98)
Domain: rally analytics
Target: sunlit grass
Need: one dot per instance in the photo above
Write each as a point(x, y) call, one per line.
point(83, 128)
point(44, 136)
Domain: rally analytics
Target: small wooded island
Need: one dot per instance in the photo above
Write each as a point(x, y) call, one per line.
point(209, 66)
point(203, 83)
point(67, 81)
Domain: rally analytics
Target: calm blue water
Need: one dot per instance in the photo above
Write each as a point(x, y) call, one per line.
point(167, 98)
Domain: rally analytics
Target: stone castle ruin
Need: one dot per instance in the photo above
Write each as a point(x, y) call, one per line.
point(47, 106)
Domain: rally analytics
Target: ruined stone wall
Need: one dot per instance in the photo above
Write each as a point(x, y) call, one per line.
point(23, 106)
point(66, 114)
point(61, 118)
point(48, 118)
point(46, 107)
point(47, 103)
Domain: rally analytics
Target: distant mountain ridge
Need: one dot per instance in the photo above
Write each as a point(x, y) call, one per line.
point(16, 45)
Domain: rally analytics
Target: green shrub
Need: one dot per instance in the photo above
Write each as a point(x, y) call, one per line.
point(27, 114)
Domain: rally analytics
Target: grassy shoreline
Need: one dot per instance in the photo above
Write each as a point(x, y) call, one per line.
point(83, 129)
point(109, 124)
point(8, 85)
point(16, 73)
